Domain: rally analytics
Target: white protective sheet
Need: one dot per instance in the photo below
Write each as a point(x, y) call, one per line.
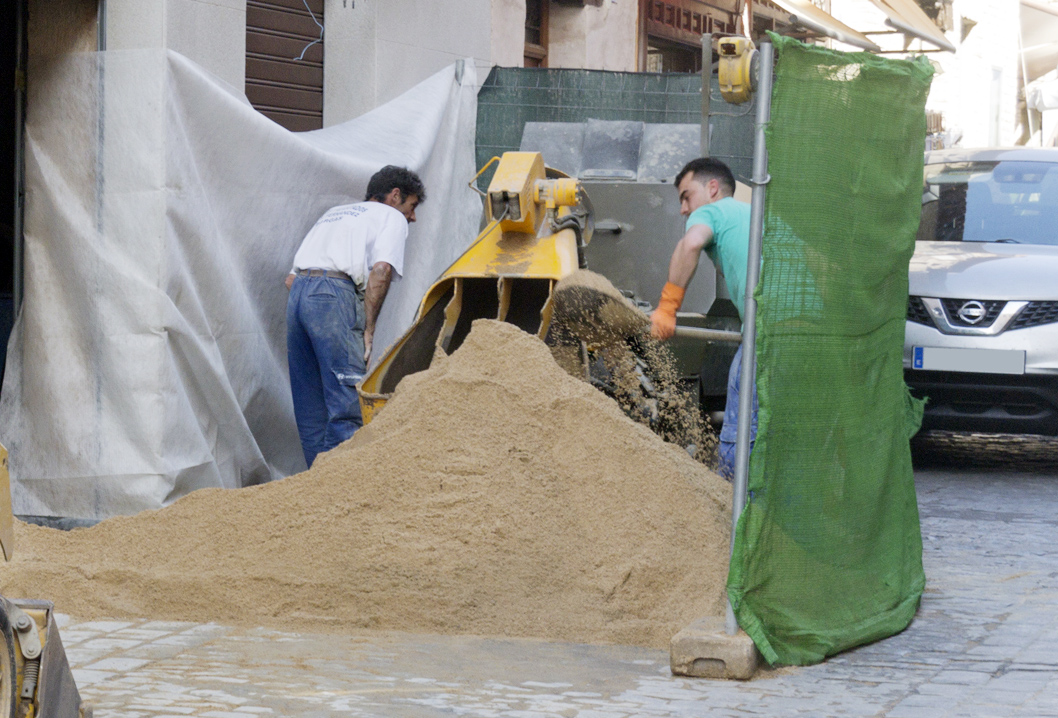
point(1042, 94)
point(162, 215)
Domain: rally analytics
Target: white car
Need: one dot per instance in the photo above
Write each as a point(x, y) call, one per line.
point(982, 322)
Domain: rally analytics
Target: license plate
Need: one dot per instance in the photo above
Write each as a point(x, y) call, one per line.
point(985, 361)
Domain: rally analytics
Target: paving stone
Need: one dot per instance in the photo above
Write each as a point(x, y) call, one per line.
point(118, 664)
point(969, 663)
point(103, 626)
point(1039, 656)
point(180, 639)
point(906, 711)
point(949, 690)
point(153, 651)
point(139, 634)
point(962, 678)
point(108, 644)
point(72, 636)
point(84, 677)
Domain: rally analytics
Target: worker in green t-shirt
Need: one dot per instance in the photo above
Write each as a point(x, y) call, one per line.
point(718, 224)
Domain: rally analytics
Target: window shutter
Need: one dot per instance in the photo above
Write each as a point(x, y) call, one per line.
point(281, 87)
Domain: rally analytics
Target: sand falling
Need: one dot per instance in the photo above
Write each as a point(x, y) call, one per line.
point(493, 495)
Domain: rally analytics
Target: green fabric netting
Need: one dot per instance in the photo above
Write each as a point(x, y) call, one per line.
point(828, 553)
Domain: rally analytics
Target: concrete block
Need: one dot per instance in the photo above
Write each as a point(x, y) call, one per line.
point(704, 649)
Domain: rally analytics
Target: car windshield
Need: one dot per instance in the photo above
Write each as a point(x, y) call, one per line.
point(1013, 202)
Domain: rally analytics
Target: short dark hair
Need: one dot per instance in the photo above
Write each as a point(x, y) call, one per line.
point(391, 176)
point(707, 168)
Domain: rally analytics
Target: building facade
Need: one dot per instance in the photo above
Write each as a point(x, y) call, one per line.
point(314, 63)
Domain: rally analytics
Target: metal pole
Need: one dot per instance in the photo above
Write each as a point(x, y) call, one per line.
point(707, 85)
point(101, 25)
point(21, 74)
point(1025, 81)
point(834, 33)
point(749, 322)
point(709, 335)
point(938, 39)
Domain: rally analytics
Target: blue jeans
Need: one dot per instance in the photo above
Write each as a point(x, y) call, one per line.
point(325, 354)
point(729, 431)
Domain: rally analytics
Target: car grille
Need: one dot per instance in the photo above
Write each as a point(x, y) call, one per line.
point(992, 310)
point(917, 312)
point(1035, 314)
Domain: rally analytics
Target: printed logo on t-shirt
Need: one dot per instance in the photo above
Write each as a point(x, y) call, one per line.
point(355, 211)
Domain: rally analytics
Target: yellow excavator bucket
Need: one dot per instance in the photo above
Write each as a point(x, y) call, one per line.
point(35, 676)
point(538, 223)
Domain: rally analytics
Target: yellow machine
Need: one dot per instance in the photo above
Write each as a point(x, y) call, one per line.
point(737, 69)
point(35, 677)
point(539, 221)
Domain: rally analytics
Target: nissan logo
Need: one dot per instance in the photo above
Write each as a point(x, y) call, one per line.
point(972, 312)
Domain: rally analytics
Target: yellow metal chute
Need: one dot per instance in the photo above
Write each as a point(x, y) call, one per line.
point(538, 223)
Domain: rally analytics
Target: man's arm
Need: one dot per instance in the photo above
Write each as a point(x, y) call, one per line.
point(682, 266)
point(684, 262)
point(378, 281)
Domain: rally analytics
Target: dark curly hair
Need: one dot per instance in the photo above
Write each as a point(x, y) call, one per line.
point(390, 176)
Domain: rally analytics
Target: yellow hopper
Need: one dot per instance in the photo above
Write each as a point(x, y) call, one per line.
point(538, 223)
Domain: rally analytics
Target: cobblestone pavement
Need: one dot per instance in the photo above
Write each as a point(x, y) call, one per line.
point(983, 643)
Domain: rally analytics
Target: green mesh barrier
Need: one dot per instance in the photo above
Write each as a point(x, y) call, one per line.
point(828, 553)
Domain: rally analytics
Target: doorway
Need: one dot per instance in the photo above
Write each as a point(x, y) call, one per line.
point(12, 52)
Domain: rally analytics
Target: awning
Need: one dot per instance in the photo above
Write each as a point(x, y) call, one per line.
point(806, 14)
point(1039, 38)
point(907, 17)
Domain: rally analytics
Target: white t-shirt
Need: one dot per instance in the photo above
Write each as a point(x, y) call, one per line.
point(351, 238)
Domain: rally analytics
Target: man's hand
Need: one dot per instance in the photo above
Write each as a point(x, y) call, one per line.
point(368, 339)
point(663, 320)
point(289, 281)
point(682, 266)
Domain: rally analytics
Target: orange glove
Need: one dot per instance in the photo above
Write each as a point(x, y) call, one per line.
point(663, 320)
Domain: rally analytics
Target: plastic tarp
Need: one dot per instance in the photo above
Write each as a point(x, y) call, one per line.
point(1039, 38)
point(1042, 94)
point(162, 215)
point(828, 551)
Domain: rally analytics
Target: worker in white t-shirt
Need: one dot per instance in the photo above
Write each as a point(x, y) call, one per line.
point(341, 275)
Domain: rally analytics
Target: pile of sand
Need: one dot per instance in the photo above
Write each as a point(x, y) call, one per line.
point(493, 495)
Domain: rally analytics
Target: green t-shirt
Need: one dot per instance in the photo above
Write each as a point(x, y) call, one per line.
point(729, 250)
